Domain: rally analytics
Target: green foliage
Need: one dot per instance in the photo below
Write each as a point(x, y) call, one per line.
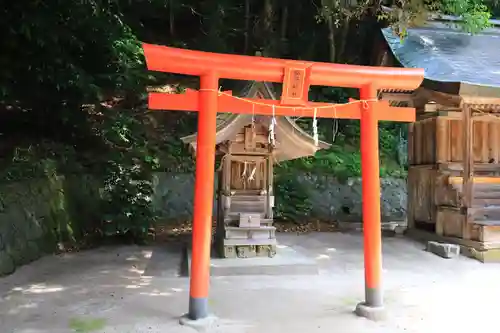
point(123, 172)
point(128, 187)
point(294, 202)
point(61, 55)
point(474, 13)
point(343, 159)
point(35, 161)
point(57, 51)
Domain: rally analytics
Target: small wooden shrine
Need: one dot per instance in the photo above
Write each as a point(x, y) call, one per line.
point(245, 198)
point(454, 146)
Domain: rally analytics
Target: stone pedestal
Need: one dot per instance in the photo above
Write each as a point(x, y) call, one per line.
point(287, 261)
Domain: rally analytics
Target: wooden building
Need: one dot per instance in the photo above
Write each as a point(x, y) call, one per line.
point(245, 197)
point(454, 146)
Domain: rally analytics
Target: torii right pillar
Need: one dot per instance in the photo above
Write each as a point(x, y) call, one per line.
point(373, 306)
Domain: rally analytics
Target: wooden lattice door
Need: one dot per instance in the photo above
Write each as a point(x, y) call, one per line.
point(248, 175)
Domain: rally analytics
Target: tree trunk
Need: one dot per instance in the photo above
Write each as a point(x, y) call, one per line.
point(171, 19)
point(247, 26)
point(284, 29)
point(331, 37)
point(342, 41)
point(267, 31)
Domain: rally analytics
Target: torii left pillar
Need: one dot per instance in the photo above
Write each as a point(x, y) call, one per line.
point(203, 198)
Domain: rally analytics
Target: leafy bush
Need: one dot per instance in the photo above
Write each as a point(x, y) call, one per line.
point(292, 201)
point(128, 176)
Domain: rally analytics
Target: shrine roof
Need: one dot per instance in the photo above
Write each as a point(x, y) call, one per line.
point(451, 58)
point(293, 141)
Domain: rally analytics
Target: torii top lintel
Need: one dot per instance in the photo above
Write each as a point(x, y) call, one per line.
point(238, 67)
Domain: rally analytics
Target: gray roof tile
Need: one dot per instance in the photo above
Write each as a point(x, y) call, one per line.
point(450, 55)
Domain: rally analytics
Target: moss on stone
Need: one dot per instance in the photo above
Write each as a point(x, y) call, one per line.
point(38, 214)
point(7, 265)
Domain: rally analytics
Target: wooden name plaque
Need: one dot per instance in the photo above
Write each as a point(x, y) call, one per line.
point(296, 84)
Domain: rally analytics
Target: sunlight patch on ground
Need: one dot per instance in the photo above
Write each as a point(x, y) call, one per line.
point(136, 270)
point(156, 293)
point(133, 286)
point(18, 309)
point(39, 289)
point(322, 256)
point(147, 254)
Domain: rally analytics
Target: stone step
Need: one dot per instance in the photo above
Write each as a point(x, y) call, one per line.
point(250, 233)
point(248, 202)
point(251, 228)
point(287, 262)
point(236, 242)
point(235, 192)
point(247, 208)
point(249, 251)
point(249, 198)
point(236, 219)
point(235, 216)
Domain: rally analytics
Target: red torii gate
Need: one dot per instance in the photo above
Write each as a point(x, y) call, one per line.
point(296, 76)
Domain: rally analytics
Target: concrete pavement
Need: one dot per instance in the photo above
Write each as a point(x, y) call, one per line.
point(133, 289)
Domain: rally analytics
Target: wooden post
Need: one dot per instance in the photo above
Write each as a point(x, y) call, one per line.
point(370, 171)
point(203, 198)
point(269, 186)
point(467, 175)
point(442, 150)
point(410, 216)
point(226, 168)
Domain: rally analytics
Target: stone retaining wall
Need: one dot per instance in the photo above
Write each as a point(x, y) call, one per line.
point(331, 200)
point(37, 215)
point(21, 228)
